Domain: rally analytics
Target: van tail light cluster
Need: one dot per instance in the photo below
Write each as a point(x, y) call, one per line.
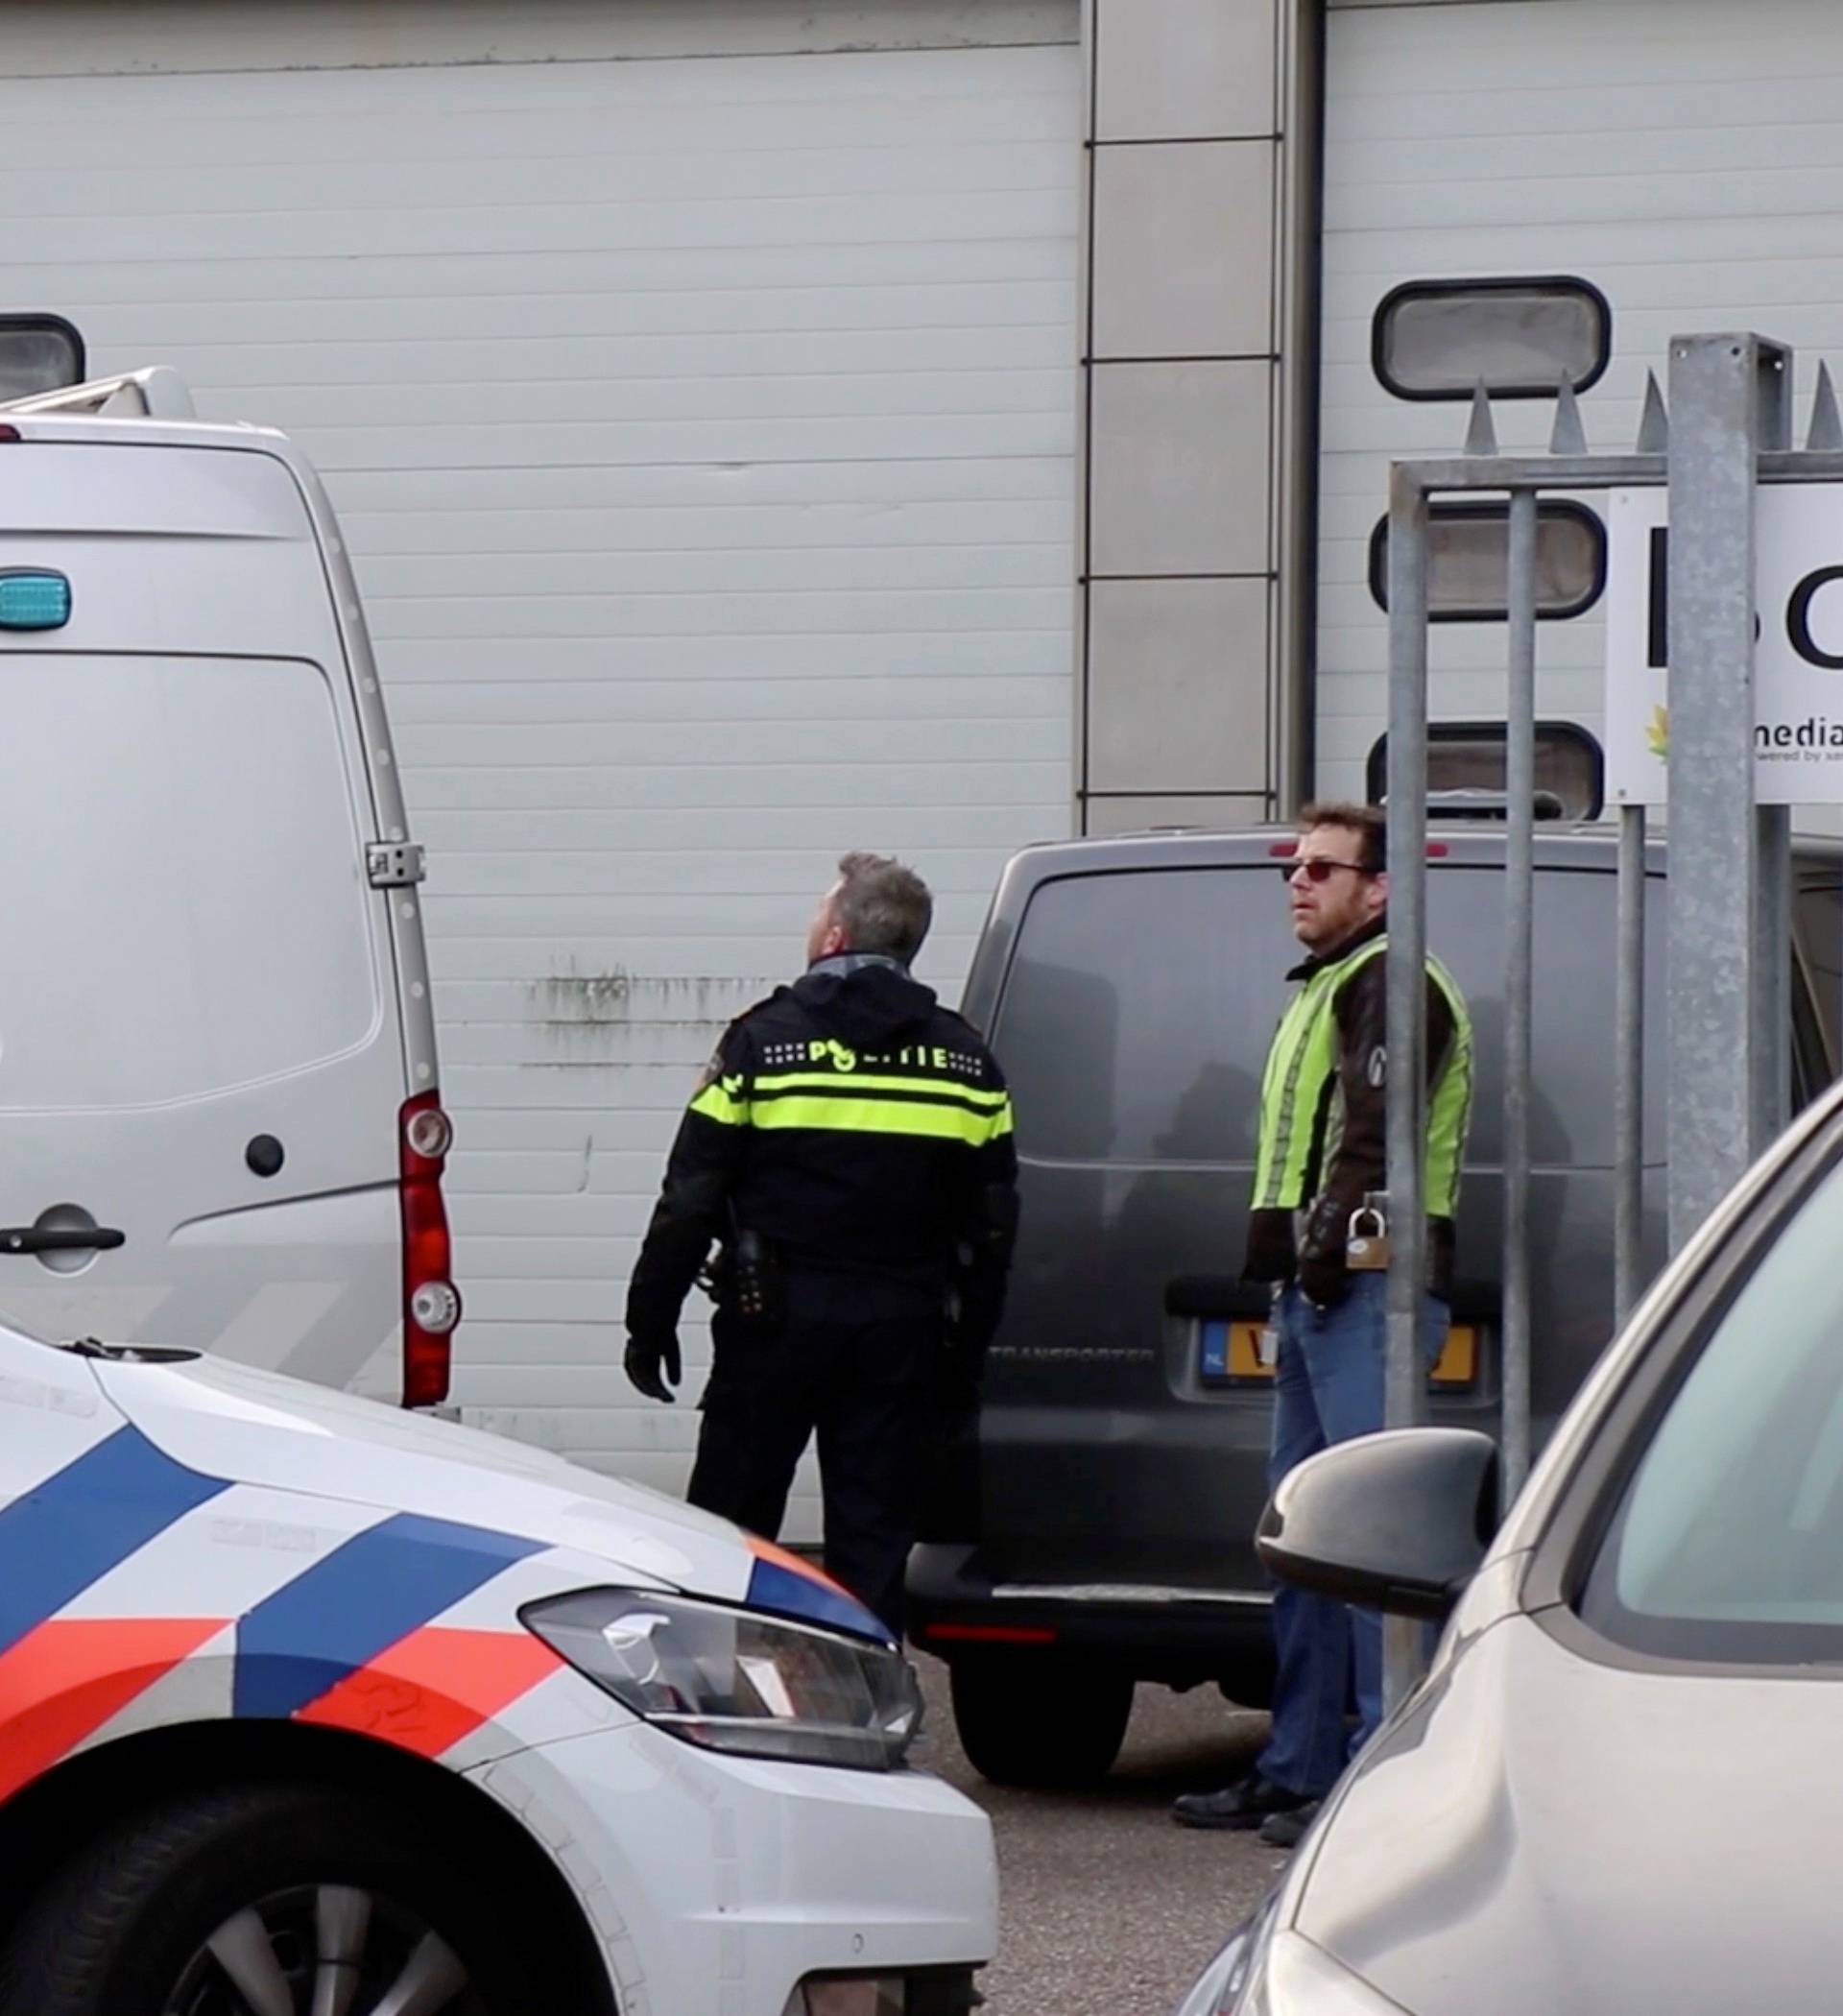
point(989, 1634)
point(431, 1301)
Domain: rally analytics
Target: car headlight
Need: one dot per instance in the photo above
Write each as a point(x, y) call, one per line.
point(737, 1680)
point(1291, 1977)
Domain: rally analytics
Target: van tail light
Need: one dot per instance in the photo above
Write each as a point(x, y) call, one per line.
point(990, 1634)
point(431, 1301)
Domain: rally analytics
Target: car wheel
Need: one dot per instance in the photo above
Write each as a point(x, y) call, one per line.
point(261, 1900)
point(1249, 1684)
point(1031, 1719)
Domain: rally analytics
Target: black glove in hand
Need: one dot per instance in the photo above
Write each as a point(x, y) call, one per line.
point(1322, 1279)
point(652, 1362)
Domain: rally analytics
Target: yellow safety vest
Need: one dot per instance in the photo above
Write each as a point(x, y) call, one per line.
point(1301, 1106)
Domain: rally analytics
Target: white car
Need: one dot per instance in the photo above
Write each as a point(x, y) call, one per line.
point(311, 1708)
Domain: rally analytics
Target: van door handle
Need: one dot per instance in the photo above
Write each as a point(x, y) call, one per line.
point(61, 1238)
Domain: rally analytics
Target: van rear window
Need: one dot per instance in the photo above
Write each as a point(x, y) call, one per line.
point(188, 909)
point(1138, 1011)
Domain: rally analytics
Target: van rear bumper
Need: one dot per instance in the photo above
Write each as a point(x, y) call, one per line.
point(1177, 1636)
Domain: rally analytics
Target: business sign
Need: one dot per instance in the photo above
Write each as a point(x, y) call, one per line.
point(1798, 649)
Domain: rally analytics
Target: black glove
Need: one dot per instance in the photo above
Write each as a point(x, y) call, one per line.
point(1323, 1279)
point(653, 1364)
point(1322, 1276)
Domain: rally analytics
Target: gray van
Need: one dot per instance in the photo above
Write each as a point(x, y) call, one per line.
point(1130, 987)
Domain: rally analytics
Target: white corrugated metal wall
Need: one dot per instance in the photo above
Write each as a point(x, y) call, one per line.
point(1682, 155)
point(703, 429)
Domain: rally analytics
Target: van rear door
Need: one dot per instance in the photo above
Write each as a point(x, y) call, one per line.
point(1133, 1025)
point(201, 1062)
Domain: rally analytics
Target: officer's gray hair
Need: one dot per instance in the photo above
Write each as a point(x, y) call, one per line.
point(882, 906)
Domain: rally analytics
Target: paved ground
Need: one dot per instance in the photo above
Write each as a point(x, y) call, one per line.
point(1105, 1908)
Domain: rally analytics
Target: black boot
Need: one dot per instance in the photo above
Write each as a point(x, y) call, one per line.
point(1288, 1829)
point(1245, 1803)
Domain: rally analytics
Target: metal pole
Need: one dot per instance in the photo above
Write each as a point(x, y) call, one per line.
point(1628, 1070)
point(1403, 1652)
point(1772, 992)
point(1772, 974)
point(1714, 1018)
point(1519, 902)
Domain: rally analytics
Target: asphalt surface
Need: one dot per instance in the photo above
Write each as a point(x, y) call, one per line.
point(1106, 1907)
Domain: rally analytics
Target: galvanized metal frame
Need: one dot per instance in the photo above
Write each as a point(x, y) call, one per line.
point(1728, 430)
point(1717, 1065)
point(1628, 1069)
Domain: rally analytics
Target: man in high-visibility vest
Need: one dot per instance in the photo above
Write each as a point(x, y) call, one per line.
point(1322, 1152)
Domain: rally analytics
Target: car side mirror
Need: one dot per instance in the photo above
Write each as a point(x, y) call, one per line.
point(1397, 1522)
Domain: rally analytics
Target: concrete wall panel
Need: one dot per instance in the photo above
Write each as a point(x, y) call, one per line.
point(1177, 674)
point(1185, 236)
point(1185, 69)
point(1180, 457)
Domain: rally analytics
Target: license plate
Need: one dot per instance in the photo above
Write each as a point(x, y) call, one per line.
point(1232, 1354)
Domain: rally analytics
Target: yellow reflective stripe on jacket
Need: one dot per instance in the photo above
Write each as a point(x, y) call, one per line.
point(720, 1101)
point(829, 1082)
point(1302, 1063)
point(839, 1112)
point(1450, 1110)
point(1284, 1145)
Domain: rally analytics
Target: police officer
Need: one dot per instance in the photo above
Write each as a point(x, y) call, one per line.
point(851, 1147)
point(1321, 1153)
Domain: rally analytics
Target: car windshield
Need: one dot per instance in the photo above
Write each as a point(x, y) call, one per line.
point(1729, 1543)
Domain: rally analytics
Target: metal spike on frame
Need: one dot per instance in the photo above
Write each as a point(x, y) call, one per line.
point(1654, 423)
point(1567, 436)
point(1827, 424)
point(1481, 435)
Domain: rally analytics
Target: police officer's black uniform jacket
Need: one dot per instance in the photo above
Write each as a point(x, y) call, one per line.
point(859, 1129)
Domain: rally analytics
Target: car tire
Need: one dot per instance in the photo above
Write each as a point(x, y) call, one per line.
point(1038, 1721)
point(1249, 1684)
point(190, 1903)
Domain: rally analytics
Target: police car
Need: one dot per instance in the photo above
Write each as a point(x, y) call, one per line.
point(311, 1708)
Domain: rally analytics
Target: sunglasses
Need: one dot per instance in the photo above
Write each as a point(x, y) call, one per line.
point(1315, 871)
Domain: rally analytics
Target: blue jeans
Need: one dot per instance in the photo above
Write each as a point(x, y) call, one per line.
point(1328, 1388)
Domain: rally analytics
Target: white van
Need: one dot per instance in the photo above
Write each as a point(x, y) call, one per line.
point(219, 1116)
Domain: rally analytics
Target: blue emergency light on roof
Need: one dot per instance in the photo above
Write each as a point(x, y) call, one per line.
point(32, 599)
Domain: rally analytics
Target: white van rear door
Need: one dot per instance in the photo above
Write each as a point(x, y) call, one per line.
point(201, 1051)
point(195, 1054)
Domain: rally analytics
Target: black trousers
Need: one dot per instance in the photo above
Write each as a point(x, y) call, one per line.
point(853, 1364)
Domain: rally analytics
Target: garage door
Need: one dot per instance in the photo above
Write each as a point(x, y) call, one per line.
point(696, 392)
point(1683, 158)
